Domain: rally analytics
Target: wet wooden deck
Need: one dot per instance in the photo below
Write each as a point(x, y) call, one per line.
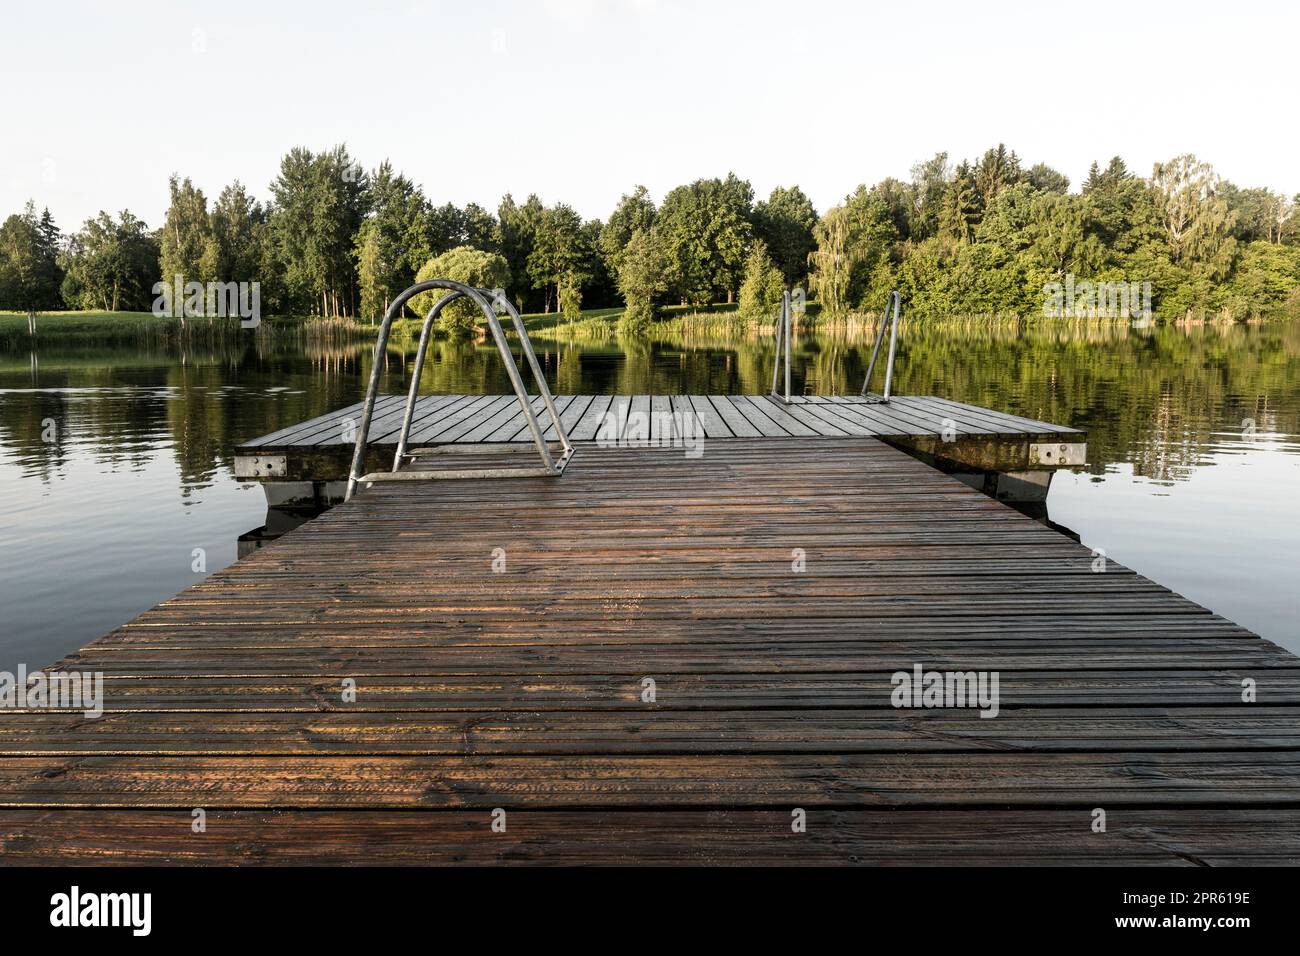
point(524, 690)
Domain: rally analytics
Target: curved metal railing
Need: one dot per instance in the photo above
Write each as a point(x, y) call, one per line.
point(488, 302)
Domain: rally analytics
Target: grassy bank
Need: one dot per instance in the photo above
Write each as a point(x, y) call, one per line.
point(131, 328)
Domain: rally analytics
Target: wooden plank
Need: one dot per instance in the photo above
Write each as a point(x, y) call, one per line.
point(814, 422)
point(522, 433)
point(637, 431)
point(433, 430)
point(1030, 424)
point(489, 426)
point(705, 415)
point(1169, 690)
point(679, 780)
point(737, 423)
point(812, 730)
point(779, 415)
point(850, 426)
point(587, 427)
point(311, 424)
point(903, 837)
point(766, 426)
point(661, 425)
point(965, 421)
point(570, 414)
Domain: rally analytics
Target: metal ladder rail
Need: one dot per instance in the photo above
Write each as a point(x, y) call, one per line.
point(782, 340)
point(895, 300)
point(497, 298)
point(549, 468)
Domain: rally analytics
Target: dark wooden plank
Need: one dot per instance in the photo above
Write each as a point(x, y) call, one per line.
point(902, 837)
point(865, 691)
point(659, 732)
point(991, 778)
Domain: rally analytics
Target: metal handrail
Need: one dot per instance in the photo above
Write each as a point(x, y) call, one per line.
point(485, 300)
point(782, 340)
point(895, 300)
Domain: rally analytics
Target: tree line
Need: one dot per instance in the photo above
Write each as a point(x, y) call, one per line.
point(979, 236)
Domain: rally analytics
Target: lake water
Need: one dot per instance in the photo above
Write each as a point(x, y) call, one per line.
point(116, 488)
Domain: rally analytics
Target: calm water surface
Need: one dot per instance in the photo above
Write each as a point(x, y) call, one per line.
point(115, 464)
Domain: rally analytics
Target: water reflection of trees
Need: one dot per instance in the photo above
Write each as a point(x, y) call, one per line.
point(1152, 397)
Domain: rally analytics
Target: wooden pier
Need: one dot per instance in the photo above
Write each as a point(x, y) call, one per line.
point(659, 658)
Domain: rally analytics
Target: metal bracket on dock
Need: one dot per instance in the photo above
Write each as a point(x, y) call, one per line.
point(488, 301)
point(1058, 454)
point(261, 466)
point(895, 300)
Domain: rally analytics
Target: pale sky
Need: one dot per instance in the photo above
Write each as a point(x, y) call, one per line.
point(578, 100)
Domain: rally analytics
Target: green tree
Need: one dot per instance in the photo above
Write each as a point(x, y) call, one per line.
point(705, 230)
point(29, 271)
point(961, 210)
point(393, 241)
point(236, 233)
point(832, 262)
point(111, 265)
point(482, 270)
point(186, 240)
point(1195, 216)
point(518, 232)
point(1048, 180)
point(997, 169)
point(929, 186)
point(763, 285)
point(642, 277)
point(635, 210)
point(784, 222)
point(320, 200)
point(561, 256)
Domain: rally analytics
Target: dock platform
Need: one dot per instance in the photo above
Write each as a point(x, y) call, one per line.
point(664, 659)
point(1007, 456)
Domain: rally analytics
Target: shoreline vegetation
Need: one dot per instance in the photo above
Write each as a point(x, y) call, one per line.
point(989, 236)
point(718, 321)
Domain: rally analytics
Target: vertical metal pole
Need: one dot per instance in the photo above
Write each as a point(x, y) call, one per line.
point(372, 392)
point(875, 351)
point(521, 393)
point(893, 342)
point(527, 347)
point(776, 355)
point(411, 397)
point(785, 308)
point(776, 358)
